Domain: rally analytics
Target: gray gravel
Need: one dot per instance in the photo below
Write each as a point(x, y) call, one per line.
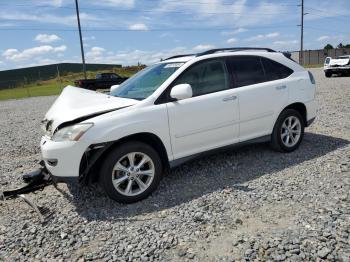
point(247, 204)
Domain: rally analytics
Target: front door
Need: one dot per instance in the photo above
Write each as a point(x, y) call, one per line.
point(210, 118)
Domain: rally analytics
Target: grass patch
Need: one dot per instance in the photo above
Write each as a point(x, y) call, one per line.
point(313, 66)
point(55, 86)
point(48, 89)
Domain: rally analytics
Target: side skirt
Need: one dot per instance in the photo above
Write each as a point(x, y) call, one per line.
point(180, 161)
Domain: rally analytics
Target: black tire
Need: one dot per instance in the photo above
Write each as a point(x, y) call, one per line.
point(328, 74)
point(91, 87)
point(112, 159)
point(276, 136)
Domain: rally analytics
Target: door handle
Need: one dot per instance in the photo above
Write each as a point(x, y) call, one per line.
point(281, 87)
point(229, 98)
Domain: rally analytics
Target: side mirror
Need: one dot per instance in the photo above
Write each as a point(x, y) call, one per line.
point(114, 87)
point(182, 91)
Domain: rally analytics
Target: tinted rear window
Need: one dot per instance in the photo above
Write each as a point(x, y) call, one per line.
point(247, 70)
point(275, 70)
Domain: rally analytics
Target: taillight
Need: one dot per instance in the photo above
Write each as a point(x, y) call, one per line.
point(312, 79)
point(80, 83)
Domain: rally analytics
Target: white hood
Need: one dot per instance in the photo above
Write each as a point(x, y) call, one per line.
point(74, 103)
point(341, 62)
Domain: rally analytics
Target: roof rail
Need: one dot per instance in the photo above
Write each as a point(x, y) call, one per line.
point(177, 56)
point(234, 49)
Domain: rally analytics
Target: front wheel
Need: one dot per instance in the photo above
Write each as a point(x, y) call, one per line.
point(328, 74)
point(288, 131)
point(131, 172)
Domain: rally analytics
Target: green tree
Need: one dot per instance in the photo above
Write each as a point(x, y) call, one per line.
point(340, 45)
point(347, 46)
point(328, 46)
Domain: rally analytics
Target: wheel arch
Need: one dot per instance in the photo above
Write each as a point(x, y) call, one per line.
point(300, 108)
point(145, 137)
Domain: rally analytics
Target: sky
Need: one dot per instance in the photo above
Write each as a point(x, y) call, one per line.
point(126, 32)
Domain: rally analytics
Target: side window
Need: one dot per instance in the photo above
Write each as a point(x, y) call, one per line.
point(114, 76)
point(274, 70)
point(247, 70)
point(205, 77)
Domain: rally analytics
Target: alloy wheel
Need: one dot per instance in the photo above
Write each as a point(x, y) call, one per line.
point(291, 131)
point(133, 173)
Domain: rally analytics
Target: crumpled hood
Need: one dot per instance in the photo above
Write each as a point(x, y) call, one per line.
point(74, 103)
point(342, 61)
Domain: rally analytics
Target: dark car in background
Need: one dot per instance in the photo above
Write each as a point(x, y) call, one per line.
point(102, 81)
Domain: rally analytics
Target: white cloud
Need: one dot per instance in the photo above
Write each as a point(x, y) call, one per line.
point(86, 19)
point(125, 3)
point(231, 40)
point(44, 38)
point(165, 35)
point(138, 27)
point(16, 55)
point(272, 35)
point(285, 42)
point(132, 57)
point(220, 12)
point(88, 38)
point(285, 45)
point(61, 48)
point(202, 47)
point(261, 37)
point(95, 53)
point(234, 32)
point(322, 38)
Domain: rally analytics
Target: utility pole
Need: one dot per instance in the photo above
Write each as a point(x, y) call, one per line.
point(301, 53)
point(81, 38)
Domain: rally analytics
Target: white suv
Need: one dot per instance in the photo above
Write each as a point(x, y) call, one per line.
point(175, 110)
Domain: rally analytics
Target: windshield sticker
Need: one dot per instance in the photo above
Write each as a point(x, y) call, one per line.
point(173, 65)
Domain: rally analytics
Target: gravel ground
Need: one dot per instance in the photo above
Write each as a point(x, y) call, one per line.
point(247, 204)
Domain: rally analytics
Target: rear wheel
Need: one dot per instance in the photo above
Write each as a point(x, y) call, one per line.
point(288, 131)
point(328, 74)
point(131, 172)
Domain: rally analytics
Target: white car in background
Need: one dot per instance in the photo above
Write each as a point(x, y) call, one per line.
point(173, 111)
point(340, 65)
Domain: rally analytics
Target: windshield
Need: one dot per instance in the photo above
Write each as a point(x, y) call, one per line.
point(145, 82)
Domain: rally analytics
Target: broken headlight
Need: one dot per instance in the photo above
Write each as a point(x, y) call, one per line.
point(71, 133)
point(46, 126)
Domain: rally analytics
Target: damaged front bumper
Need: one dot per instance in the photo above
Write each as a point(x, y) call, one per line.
point(337, 69)
point(62, 159)
point(71, 161)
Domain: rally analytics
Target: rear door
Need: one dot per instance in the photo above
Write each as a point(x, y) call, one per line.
point(261, 95)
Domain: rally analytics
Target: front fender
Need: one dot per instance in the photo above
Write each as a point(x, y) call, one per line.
point(115, 125)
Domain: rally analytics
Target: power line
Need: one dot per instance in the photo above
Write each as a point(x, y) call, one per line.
point(330, 17)
point(132, 30)
point(326, 12)
point(162, 11)
point(323, 29)
point(113, 9)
